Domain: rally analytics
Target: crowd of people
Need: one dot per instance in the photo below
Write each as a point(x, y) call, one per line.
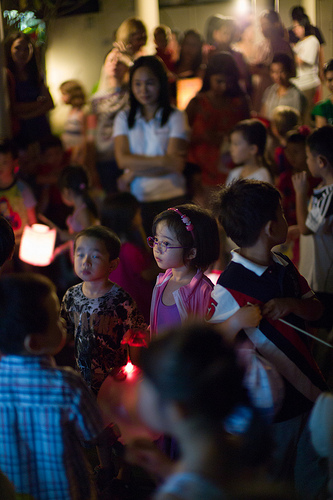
point(228, 190)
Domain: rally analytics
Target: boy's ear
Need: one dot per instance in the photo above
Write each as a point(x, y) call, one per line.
point(268, 228)
point(114, 264)
point(33, 344)
point(322, 161)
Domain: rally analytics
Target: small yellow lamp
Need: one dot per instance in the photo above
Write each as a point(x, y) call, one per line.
point(37, 245)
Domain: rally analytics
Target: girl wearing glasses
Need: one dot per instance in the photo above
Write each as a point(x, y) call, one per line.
point(185, 243)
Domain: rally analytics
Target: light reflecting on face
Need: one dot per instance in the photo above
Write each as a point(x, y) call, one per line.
point(21, 51)
point(145, 87)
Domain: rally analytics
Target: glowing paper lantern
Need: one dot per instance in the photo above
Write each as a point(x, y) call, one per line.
point(37, 245)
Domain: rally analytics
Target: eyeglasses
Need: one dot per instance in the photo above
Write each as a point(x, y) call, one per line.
point(162, 245)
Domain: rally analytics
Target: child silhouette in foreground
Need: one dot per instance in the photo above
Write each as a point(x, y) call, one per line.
point(47, 412)
point(191, 393)
point(251, 214)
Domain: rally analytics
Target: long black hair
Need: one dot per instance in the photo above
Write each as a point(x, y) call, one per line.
point(223, 64)
point(157, 68)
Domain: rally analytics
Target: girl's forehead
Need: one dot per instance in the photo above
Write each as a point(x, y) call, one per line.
point(144, 72)
point(163, 229)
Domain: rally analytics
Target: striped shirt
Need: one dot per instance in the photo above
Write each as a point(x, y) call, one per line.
point(288, 351)
point(46, 414)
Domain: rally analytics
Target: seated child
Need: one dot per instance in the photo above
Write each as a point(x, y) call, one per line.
point(98, 312)
point(7, 241)
point(46, 412)
point(17, 202)
point(251, 214)
point(322, 113)
point(315, 221)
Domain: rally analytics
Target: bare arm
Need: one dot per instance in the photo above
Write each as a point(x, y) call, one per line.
point(300, 184)
point(246, 317)
point(27, 110)
point(309, 309)
point(172, 161)
point(320, 121)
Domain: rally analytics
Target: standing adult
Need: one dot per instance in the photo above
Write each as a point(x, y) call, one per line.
point(296, 13)
point(30, 99)
point(150, 141)
point(111, 97)
point(274, 42)
point(307, 59)
point(132, 37)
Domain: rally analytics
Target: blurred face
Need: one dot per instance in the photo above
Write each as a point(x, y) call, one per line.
point(296, 156)
point(298, 30)
point(145, 87)
point(21, 52)
point(161, 40)
point(6, 169)
point(313, 162)
point(91, 259)
point(218, 84)
point(151, 408)
point(114, 67)
point(53, 156)
point(223, 35)
point(329, 80)
point(279, 75)
point(240, 149)
point(137, 40)
point(266, 27)
point(190, 48)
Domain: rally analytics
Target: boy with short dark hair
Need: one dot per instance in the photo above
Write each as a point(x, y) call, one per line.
point(315, 220)
point(98, 313)
point(46, 412)
point(251, 215)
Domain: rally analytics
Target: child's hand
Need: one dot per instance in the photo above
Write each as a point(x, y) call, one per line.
point(248, 316)
point(144, 453)
point(277, 308)
point(300, 182)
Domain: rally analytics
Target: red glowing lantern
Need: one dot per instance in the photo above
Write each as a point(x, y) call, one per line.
point(37, 245)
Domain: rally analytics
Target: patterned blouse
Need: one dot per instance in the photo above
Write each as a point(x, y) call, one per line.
point(98, 326)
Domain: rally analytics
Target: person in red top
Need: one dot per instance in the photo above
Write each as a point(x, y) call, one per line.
point(212, 114)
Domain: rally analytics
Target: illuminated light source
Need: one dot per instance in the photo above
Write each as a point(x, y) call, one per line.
point(129, 367)
point(187, 88)
point(118, 401)
point(242, 7)
point(37, 245)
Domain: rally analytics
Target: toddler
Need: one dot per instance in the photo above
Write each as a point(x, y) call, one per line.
point(74, 134)
point(247, 149)
point(97, 311)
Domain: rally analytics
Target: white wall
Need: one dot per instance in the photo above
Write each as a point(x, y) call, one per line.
point(77, 45)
